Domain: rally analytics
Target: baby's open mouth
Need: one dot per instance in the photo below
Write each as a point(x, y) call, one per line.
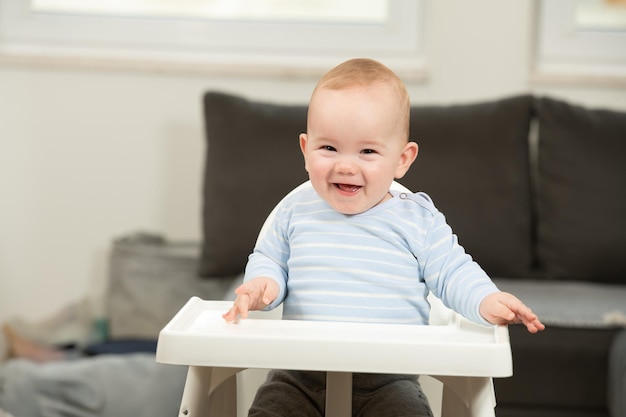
point(348, 188)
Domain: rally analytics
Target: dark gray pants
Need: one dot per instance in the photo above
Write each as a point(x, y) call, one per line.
point(303, 394)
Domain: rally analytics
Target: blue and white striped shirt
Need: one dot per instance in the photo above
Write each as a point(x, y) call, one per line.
point(376, 266)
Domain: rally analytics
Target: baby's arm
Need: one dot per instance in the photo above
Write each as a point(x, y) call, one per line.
point(505, 308)
point(255, 294)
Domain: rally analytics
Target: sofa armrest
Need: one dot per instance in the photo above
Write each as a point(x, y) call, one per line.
point(617, 376)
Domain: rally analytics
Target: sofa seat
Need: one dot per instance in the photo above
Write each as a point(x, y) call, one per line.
point(549, 381)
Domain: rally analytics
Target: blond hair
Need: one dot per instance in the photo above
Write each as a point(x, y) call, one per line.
point(365, 72)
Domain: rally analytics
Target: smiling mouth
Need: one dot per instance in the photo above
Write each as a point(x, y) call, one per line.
point(348, 188)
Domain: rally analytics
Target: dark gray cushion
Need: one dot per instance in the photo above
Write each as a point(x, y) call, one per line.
point(473, 161)
point(253, 160)
point(582, 197)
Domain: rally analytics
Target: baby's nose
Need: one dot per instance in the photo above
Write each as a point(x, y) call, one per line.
point(346, 165)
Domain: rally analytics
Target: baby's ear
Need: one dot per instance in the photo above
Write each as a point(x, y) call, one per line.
point(409, 153)
point(303, 141)
point(303, 144)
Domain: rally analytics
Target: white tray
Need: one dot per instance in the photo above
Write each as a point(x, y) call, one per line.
point(198, 336)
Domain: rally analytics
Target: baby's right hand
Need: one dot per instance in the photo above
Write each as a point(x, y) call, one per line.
point(255, 294)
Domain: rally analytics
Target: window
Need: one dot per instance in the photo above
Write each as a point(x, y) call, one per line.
point(582, 39)
point(245, 36)
point(281, 10)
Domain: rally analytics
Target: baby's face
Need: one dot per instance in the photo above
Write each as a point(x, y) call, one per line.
point(355, 146)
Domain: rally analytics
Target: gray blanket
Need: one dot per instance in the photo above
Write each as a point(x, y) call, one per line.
point(102, 386)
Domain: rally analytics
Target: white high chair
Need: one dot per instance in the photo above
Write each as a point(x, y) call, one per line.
point(462, 355)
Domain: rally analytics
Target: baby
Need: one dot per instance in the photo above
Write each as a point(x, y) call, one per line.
point(350, 249)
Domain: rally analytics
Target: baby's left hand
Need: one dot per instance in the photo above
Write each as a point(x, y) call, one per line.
point(505, 308)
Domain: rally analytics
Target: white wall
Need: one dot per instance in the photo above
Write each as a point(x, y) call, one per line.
point(88, 155)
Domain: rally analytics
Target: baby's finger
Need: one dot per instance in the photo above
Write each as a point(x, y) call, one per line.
point(524, 311)
point(243, 289)
point(231, 314)
point(534, 325)
point(243, 305)
point(503, 313)
point(268, 296)
point(526, 314)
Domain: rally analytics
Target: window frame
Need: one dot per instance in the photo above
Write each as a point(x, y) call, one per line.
point(565, 54)
point(235, 47)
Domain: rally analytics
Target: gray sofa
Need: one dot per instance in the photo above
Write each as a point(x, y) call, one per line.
point(533, 186)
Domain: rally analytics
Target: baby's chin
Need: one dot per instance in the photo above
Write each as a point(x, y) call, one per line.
point(349, 212)
point(350, 209)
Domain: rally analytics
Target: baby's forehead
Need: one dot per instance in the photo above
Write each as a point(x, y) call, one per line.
point(358, 85)
point(378, 91)
point(382, 99)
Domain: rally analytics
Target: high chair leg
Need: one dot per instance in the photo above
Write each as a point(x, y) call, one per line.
point(467, 397)
point(212, 389)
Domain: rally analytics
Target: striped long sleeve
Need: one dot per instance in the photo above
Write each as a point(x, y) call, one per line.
point(376, 266)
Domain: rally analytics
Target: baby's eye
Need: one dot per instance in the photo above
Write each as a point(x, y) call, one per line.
point(329, 148)
point(368, 151)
